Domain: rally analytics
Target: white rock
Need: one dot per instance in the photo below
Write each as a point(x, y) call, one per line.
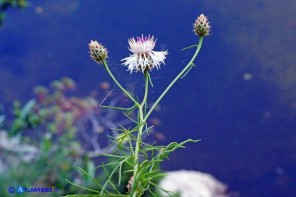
point(192, 184)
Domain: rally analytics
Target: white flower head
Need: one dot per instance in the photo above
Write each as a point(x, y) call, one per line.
point(143, 57)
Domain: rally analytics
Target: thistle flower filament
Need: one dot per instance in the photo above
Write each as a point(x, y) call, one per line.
point(143, 57)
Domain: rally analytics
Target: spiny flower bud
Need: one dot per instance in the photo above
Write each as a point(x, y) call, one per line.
point(97, 51)
point(201, 26)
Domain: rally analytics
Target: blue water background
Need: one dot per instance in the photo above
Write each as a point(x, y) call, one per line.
point(239, 99)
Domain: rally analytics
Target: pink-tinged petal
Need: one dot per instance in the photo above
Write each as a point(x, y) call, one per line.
point(143, 57)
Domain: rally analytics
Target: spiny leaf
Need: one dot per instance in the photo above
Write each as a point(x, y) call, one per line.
point(85, 188)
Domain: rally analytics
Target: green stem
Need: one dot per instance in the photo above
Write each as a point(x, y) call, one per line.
point(140, 132)
point(176, 78)
point(118, 84)
point(146, 88)
point(138, 144)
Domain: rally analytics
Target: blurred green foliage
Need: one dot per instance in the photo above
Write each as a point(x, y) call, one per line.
point(40, 148)
point(6, 4)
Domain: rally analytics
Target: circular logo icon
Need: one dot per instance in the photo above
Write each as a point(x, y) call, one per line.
point(11, 189)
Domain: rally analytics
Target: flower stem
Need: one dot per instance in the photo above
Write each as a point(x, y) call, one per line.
point(176, 79)
point(141, 123)
point(118, 84)
point(146, 88)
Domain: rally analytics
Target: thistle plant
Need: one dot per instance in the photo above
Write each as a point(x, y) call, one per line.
point(142, 158)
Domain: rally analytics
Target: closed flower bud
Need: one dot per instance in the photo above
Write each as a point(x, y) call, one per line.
point(97, 51)
point(201, 26)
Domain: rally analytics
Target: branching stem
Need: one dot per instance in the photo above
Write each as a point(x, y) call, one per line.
point(118, 84)
point(188, 66)
point(142, 123)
